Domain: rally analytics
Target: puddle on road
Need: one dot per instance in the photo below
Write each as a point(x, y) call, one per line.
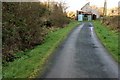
point(91, 31)
point(92, 34)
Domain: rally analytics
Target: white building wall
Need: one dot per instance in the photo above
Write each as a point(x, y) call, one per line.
point(87, 8)
point(96, 13)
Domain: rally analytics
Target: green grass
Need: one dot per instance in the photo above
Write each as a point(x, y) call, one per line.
point(109, 38)
point(33, 63)
point(0, 67)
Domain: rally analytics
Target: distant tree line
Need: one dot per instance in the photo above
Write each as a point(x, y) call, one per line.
point(112, 17)
point(25, 25)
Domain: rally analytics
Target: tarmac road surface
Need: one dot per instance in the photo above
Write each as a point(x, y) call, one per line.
point(82, 55)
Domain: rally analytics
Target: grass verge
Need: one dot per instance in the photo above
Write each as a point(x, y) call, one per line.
point(109, 38)
point(32, 64)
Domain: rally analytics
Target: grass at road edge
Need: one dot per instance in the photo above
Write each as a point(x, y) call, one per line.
point(109, 38)
point(32, 64)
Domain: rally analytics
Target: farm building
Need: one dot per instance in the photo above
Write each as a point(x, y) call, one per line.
point(87, 13)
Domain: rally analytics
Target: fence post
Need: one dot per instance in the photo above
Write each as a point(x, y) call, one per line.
point(119, 15)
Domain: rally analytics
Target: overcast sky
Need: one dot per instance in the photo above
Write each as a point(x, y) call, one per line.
point(77, 4)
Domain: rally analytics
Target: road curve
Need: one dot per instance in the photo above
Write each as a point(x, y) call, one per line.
point(81, 55)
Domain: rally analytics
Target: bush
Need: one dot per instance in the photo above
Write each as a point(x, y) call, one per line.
point(21, 27)
point(25, 25)
point(58, 17)
point(112, 21)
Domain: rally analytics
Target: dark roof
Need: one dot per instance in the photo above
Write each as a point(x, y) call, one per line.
point(84, 12)
point(85, 5)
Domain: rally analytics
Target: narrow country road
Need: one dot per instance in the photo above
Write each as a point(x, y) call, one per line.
point(81, 55)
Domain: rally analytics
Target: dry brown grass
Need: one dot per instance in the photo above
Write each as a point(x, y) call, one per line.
point(113, 22)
